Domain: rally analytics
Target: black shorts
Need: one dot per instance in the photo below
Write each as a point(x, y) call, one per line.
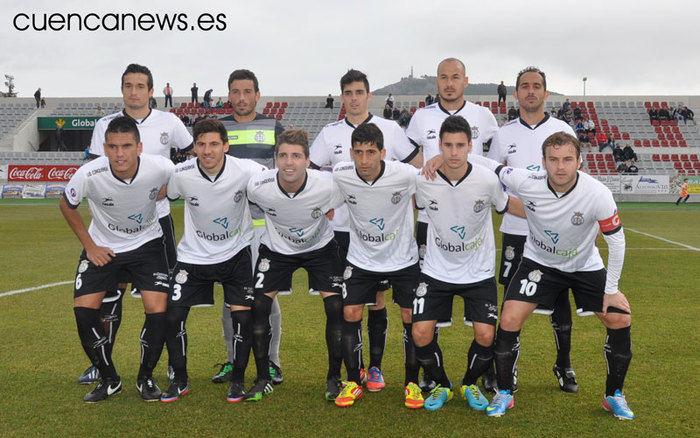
point(343, 240)
point(193, 285)
point(535, 283)
point(511, 254)
point(145, 264)
point(166, 224)
point(361, 285)
point(434, 298)
point(274, 271)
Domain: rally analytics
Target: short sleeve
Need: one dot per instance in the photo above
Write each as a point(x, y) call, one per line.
point(252, 168)
point(413, 132)
point(512, 177)
point(606, 212)
point(497, 151)
point(76, 189)
point(420, 195)
point(181, 137)
point(499, 198)
point(337, 196)
point(251, 190)
point(319, 153)
point(98, 139)
point(173, 189)
point(401, 147)
point(410, 173)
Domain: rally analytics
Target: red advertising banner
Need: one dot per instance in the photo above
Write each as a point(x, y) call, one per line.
point(40, 173)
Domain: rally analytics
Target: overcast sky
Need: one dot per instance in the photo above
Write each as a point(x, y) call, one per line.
point(303, 47)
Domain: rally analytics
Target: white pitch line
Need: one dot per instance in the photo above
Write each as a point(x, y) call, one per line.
point(29, 289)
point(662, 239)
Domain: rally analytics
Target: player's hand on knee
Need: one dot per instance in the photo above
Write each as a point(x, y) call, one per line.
point(99, 255)
point(431, 167)
point(618, 300)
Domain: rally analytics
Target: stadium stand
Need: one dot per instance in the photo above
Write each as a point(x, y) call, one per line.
point(13, 114)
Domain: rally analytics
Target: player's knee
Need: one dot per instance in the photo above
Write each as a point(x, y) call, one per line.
point(484, 335)
point(510, 321)
point(614, 320)
point(352, 313)
point(406, 315)
point(422, 334)
point(333, 305)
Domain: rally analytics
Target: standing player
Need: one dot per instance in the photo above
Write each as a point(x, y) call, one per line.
point(251, 135)
point(565, 211)
point(160, 131)
point(215, 247)
point(519, 144)
point(459, 261)
point(124, 234)
point(684, 193)
point(382, 248)
point(298, 235)
point(331, 146)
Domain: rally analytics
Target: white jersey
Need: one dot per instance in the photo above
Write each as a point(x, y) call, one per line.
point(460, 243)
point(124, 215)
point(381, 215)
point(296, 222)
point(424, 130)
point(332, 146)
point(217, 218)
point(520, 145)
point(159, 131)
point(563, 227)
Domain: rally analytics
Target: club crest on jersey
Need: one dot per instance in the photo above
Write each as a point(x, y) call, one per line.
point(577, 218)
point(430, 134)
point(82, 267)
point(348, 272)
point(153, 194)
point(316, 213)
point(396, 198)
point(422, 289)
point(238, 196)
point(260, 136)
point(264, 265)
point(479, 205)
point(475, 132)
point(164, 138)
point(181, 277)
point(535, 275)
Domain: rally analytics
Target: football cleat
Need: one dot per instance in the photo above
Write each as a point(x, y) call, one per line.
point(438, 397)
point(363, 376)
point(333, 388)
point(375, 383)
point(427, 385)
point(104, 389)
point(349, 394)
point(235, 392)
point(224, 374)
point(148, 389)
point(174, 391)
point(276, 374)
point(91, 375)
point(566, 378)
point(260, 388)
point(414, 397)
point(500, 403)
point(474, 397)
point(617, 404)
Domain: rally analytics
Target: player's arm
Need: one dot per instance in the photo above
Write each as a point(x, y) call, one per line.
point(98, 255)
point(319, 152)
point(182, 139)
point(614, 236)
point(97, 141)
point(516, 207)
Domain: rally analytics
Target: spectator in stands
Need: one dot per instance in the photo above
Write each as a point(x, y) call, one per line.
point(100, 112)
point(664, 115)
point(387, 112)
point(566, 105)
point(43, 103)
point(677, 113)
point(404, 118)
point(390, 100)
point(602, 141)
point(396, 114)
point(590, 127)
point(168, 92)
point(653, 115)
point(428, 99)
point(687, 114)
point(502, 93)
point(684, 192)
point(86, 155)
point(566, 116)
point(219, 103)
point(329, 101)
point(584, 139)
point(194, 90)
point(579, 127)
point(632, 169)
point(206, 100)
point(58, 135)
point(628, 153)
point(622, 167)
point(152, 103)
point(37, 97)
point(512, 113)
point(578, 114)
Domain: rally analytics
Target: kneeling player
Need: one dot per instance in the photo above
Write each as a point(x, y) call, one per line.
point(298, 235)
point(121, 189)
point(459, 261)
point(215, 247)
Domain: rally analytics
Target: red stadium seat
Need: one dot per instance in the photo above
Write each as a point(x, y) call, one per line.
point(675, 129)
point(677, 165)
point(646, 143)
point(665, 128)
point(664, 143)
point(694, 158)
point(266, 111)
point(661, 136)
point(183, 105)
point(600, 157)
point(647, 104)
point(655, 157)
point(696, 165)
point(665, 157)
point(625, 136)
point(279, 116)
point(678, 136)
point(664, 104)
point(658, 129)
point(687, 165)
point(611, 165)
point(273, 111)
point(674, 157)
point(664, 123)
point(684, 157)
point(609, 157)
point(589, 104)
point(593, 171)
point(673, 143)
point(617, 136)
point(637, 143)
point(494, 104)
point(284, 105)
point(655, 143)
point(682, 143)
point(268, 105)
point(413, 110)
point(673, 123)
point(276, 105)
point(615, 128)
point(487, 104)
point(590, 157)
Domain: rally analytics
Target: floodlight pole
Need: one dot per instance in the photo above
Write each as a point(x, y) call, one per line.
point(584, 85)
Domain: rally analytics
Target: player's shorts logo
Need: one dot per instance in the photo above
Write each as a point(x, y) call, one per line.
point(396, 198)
point(422, 289)
point(264, 265)
point(475, 132)
point(82, 267)
point(181, 277)
point(535, 275)
point(153, 194)
point(479, 205)
point(577, 218)
point(348, 272)
point(163, 138)
point(510, 253)
point(238, 196)
point(260, 137)
point(316, 213)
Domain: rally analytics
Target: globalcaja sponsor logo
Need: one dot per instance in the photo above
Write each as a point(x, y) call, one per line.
point(569, 253)
point(459, 230)
point(216, 237)
point(459, 247)
point(136, 217)
point(533, 167)
point(297, 236)
point(382, 237)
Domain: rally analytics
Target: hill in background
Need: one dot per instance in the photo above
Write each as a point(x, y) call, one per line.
point(426, 84)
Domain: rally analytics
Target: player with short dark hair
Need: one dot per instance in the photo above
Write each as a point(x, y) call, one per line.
point(122, 189)
point(298, 235)
point(378, 194)
point(215, 247)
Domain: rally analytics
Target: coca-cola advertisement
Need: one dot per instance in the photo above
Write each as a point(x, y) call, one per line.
point(40, 173)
